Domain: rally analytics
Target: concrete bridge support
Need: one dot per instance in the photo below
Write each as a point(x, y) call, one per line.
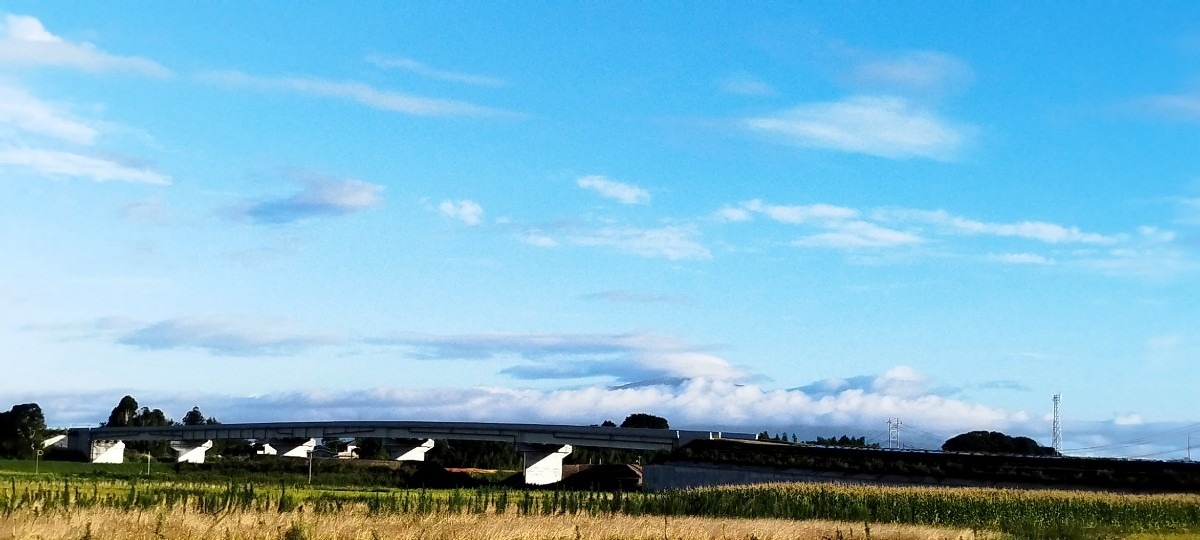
point(107, 452)
point(190, 451)
point(289, 447)
point(543, 462)
point(408, 449)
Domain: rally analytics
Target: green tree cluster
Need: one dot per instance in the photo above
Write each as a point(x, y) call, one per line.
point(844, 442)
point(22, 429)
point(994, 442)
point(644, 420)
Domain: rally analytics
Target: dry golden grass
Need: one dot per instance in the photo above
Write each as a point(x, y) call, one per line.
point(111, 524)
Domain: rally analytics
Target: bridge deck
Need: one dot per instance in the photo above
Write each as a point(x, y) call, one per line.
point(603, 437)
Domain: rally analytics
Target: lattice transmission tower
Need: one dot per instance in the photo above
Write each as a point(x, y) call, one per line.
point(1056, 438)
point(894, 432)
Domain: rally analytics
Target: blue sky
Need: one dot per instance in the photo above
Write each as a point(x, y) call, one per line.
point(768, 216)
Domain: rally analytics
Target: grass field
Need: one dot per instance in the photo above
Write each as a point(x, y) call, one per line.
point(71, 468)
point(62, 506)
point(106, 524)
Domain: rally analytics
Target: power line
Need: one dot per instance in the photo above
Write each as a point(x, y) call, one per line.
point(1145, 439)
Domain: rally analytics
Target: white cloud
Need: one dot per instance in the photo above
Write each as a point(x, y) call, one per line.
point(408, 64)
point(1156, 235)
point(466, 211)
point(922, 70)
point(1131, 419)
point(673, 243)
point(888, 127)
point(612, 189)
point(796, 214)
point(747, 86)
point(1050, 233)
point(858, 234)
point(537, 238)
point(1154, 262)
point(733, 215)
point(153, 210)
point(26, 113)
point(223, 337)
point(25, 42)
point(357, 92)
point(1173, 107)
point(321, 195)
point(55, 163)
point(1020, 258)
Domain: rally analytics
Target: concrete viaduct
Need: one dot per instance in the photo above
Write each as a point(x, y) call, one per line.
point(542, 446)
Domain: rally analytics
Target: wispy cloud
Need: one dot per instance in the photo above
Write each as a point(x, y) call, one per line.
point(222, 337)
point(320, 196)
point(672, 242)
point(918, 70)
point(25, 113)
point(1050, 233)
point(357, 92)
point(151, 210)
point(1020, 258)
point(840, 227)
point(419, 68)
point(24, 41)
point(612, 189)
point(1004, 384)
point(465, 210)
point(628, 357)
point(858, 234)
point(56, 163)
point(633, 297)
point(1185, 107)
point(800, 213)
point(887, 127)
point(746, 85)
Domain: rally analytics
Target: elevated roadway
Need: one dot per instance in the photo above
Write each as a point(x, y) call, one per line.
point(543, 446)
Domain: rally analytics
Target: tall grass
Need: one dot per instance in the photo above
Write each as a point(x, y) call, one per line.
point(1037, 514)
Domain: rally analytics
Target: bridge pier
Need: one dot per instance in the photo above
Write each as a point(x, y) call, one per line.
point(288, 447)
point(190, 451)
point(107, 452)
point(543, 462)
point(408, 449)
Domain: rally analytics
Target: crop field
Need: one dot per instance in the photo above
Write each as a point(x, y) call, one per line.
point(57, 507)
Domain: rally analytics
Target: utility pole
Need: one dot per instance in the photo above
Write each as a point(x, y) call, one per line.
point(1056, 440)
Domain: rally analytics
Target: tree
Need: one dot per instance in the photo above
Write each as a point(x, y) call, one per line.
point(844, 441)
point(370, 448)
point(643, 420)
point(608, 423)
point(123, 414)
point(21, 430)
point(194, 418)
point(994, 442)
